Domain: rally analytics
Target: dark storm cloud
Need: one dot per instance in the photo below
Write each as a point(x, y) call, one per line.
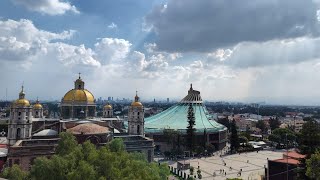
point(202, 26)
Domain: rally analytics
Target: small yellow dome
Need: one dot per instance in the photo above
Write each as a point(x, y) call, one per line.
point(21, 102)
point(135, 103)
point(108, 106)
point(78, 95)
point(37, 106)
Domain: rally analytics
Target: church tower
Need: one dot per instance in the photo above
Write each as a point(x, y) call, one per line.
point(107, 111)
point(37, 110)
point(20, 122)
point(136, 117)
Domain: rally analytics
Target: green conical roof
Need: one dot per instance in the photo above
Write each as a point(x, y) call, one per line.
point(176, 117)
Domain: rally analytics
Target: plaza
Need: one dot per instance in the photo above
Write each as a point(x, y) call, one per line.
point(252, 165)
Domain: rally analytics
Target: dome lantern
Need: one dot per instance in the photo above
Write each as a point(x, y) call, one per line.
point(136, 101)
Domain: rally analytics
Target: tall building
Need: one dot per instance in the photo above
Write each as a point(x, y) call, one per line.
point(20, 122)
point(136, 117)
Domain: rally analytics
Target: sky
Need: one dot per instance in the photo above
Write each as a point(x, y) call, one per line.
point(244, 51)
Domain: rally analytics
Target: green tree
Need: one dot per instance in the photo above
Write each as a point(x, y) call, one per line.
point(191, 129)
point(309, 143)
point(87, 162)
point(224, 121)
point(274, 122)
point(116, 145)
point(66, 144)
point(313, 166)
point(261, 125)
point(282, 136)
point(14, 173)
point(309, 138)
point(234, 139)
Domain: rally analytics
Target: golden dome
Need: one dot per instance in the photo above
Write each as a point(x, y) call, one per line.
point(108, 106)
point(21, 102)
point(79, 95)
point(37, 106)
point(135, 103)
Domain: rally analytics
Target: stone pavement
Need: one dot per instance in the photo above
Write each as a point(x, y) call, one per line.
point(252, 165)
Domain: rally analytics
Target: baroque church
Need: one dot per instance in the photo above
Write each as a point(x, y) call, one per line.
point(31, 135)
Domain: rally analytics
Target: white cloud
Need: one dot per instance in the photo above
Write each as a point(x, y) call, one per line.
point(112, 49)
point(270, 53)
point(50, 7)
point(112, 26)
point(270, 70)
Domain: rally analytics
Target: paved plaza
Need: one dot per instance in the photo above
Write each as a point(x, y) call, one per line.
point(252, 165)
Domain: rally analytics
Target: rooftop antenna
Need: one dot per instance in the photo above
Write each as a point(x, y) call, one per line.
point(6, 94)
point(79, 75)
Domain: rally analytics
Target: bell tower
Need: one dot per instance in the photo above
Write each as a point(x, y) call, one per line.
point(136, 117)
point(107, 111)
point(20, 122)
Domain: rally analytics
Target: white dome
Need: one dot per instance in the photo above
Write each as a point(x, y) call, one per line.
point(46, 132)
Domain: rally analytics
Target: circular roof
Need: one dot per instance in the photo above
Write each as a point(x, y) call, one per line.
point(108, 106)
point(37, 106)
point(136, 103)
point(88, 128)
point(46, 132)
point(21, 103)
point(78, 95)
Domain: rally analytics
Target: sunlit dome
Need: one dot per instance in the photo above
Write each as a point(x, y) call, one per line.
point(37, 105)
point(21, 102)
point(108, 106)
point(78, 94)
point(136, 102)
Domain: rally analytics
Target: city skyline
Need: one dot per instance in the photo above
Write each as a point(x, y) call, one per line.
point(159, 47)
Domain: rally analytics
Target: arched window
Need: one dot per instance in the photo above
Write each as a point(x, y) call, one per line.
point(37, 113)
point(108, 113)
point(138, 129)
point(19, 113)
point(138, 113)
point(18, 133)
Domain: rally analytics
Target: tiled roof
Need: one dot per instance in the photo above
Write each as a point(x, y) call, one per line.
point(88, 128)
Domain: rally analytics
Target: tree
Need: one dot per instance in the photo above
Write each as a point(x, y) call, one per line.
point(274, 123)
point(309, 142)
point(116, 145)
point(313, 166)
point(87, 162)
point(309, 138)
point(66, 144)
point(191, 129)
point(14, 173)
point(234, 139)
point(225, 122)
point(261, 125)
point(282, 136)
